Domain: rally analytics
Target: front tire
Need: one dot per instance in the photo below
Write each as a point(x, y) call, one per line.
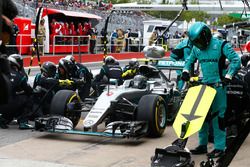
point(152, 109)
point(61, 104)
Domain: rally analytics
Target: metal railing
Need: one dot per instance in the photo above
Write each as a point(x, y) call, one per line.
point(71, 41)
point(126, 45)
point(21, 46)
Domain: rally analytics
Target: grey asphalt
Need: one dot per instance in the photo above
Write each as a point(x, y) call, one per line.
point(26, 148)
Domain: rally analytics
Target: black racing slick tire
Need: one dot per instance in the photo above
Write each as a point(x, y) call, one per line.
point(61, 103)
point(152, 109)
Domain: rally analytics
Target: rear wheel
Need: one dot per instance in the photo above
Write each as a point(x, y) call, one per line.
point(64, 103)
point(152, 109)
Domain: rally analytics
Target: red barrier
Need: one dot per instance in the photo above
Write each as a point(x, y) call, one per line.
point(24, 37)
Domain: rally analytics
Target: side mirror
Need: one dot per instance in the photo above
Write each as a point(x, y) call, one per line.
point(155, 52)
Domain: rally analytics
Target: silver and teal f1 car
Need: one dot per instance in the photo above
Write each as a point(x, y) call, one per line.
point(141, 106)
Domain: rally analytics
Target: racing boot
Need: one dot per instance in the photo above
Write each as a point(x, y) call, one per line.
point(25, 125)
point(215, 153)
point(3, 123)
point(232, 132)
point(201, 149)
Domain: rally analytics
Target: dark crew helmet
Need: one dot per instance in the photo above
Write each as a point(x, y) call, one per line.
point(109, 60)
point(200, 35)
point(245, 59)
point(218, 35)
point(49, 68)
point(16, 60)
point(139, 82)
point(133, 63)
point(67, 65)
point(70, 58)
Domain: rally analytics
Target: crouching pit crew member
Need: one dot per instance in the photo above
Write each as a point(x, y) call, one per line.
point(71, 78)
point(81, 73)
point(19, 105)
point(211, 54)
point(46, 84)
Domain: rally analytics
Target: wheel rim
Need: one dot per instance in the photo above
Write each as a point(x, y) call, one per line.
point(161, 114)
point(69, 114)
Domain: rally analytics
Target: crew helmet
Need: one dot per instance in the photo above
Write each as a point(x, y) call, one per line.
point(200, 35)
point(70, 58)
point(139, 82)
point(16, 60)
point(49, 68)
point(218, 35)
point(109, 60)
point(245, 59)
point(67, 65)
point(133, 63)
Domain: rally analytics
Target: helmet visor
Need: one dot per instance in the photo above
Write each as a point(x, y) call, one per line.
point(200, 43)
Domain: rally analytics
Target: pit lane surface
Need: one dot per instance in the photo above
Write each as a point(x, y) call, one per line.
point(19, 148)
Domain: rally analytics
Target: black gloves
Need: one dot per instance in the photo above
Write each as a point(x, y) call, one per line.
point(226, 81)
point(185, 76)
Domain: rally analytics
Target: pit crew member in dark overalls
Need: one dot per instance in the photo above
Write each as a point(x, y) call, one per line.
point(131, 70)
point(67, 72)
point(65, 69)
point(181, 53)
point(238, 98)
point(83, 73)
point(208, 50)
point(110, 69)
point(46, 84)
point(19, 105)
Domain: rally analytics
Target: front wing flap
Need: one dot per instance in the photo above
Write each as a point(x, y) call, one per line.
point(118, 129)
point(134, 129)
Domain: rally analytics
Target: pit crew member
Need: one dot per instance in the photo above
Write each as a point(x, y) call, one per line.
point(181, 53)
point(208, 50)
point(83, 73)
point(131, 69)
point(46, 84)
point(19, 104)
point(110, 69)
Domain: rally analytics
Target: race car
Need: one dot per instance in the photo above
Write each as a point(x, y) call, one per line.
point(141, 106)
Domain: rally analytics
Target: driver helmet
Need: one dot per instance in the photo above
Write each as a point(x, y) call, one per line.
point(200, 35)
point(67, 65)
point(16, 60)
point(109, 60)
point(139, 82)
point(133, 63)
point(49, 68)
point(70, 58)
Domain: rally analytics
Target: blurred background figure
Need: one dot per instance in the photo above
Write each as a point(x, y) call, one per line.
point(8, 14)
point(12, 49)
point(119, 41)
point(41, 36)
point(152, 38)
